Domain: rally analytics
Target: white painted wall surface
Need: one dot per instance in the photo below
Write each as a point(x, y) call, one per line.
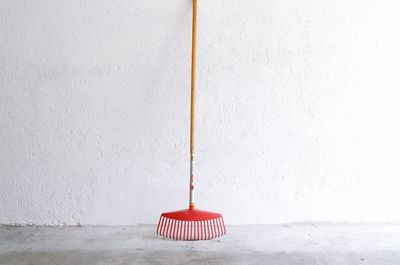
point(298, 110)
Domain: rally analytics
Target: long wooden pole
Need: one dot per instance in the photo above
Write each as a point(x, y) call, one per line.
point(193, 104)
point(193, 81)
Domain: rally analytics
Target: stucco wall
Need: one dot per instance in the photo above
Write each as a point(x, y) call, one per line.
point(298, 110)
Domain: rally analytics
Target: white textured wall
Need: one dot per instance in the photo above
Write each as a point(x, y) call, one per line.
point(298, 110)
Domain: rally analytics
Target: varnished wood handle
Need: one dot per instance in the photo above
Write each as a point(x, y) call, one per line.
point(193, 106)
point(193, 81)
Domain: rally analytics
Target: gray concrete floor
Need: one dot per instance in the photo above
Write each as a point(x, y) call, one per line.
point(292, 244)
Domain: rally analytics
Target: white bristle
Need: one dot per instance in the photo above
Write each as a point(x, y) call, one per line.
point(191, 230)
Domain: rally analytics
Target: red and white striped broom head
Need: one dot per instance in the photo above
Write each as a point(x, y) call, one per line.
point(191, 225)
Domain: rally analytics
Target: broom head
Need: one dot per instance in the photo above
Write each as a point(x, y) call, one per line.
point(191, 224)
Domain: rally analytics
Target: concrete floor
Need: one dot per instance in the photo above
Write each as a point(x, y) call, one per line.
point(294, 244)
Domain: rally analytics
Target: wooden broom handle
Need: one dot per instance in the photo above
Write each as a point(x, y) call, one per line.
point(193, 106)
point(193, 81)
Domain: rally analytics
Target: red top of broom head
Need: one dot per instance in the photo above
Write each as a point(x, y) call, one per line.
point(191, 215)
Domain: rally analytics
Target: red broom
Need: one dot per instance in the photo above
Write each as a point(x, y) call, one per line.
point(191, 224)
